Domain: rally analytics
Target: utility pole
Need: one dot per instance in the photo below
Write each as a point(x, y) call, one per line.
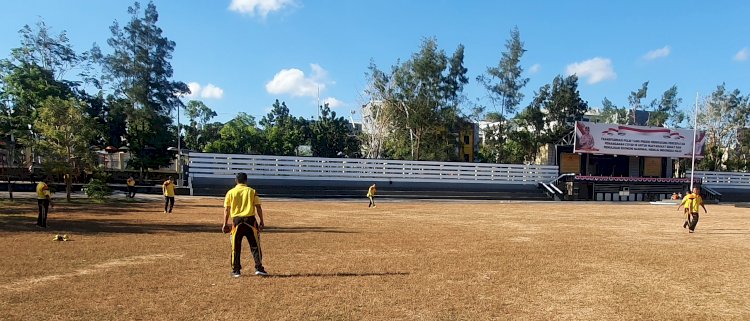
point(695, 133)
point(178, 163)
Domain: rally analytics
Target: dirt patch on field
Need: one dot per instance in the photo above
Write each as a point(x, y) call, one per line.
point(97, 268)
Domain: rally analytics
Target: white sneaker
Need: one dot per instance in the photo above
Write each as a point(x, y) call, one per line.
point(261, 273)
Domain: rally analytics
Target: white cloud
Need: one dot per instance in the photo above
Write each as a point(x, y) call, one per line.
point(318, 71)
point(333, 102)
point(195, 89)
point(658, 53)
point(535, 68)
point(259, 7)
point(742, 55)
point(596, 70)
point(294, 82)
point(212, 92)
point(209, 91)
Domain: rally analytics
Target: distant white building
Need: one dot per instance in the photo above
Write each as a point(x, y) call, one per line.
point(594, 115)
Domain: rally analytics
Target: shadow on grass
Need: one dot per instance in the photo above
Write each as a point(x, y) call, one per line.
point(334, 274)
point(29, 207)
point(26, 223)
point(303, 229)
point(218, 207)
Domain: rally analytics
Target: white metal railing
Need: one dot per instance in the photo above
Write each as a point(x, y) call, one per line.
point(208, 165)
point(725, 179)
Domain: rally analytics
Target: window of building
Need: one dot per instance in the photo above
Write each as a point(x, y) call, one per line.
point(466, 139)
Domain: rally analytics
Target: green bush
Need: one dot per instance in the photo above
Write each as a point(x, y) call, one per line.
point(97, 188)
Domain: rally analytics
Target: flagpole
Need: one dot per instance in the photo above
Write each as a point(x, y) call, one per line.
point(695, 134)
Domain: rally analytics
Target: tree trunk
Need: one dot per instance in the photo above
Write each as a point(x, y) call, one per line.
point(10, 187)
point(68, 178)
point(411, 138)
point(411, 132)
point(417, 148)
point(10, 163)
point(68, 186)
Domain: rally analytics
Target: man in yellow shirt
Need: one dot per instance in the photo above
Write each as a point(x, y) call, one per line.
point(168, 190)
point(44, 201)
point(242, 204)
point(371, 195)
point(692, 202)
point(131, 187)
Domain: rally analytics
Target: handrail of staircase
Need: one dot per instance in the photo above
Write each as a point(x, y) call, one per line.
point(554, 181)
point(712, 193)
point(547, 187)
point(554, 187)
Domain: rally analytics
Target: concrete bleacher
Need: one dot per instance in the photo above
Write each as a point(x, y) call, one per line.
point(731, 186)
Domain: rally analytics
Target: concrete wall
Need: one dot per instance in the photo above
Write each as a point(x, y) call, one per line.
point(323, 188)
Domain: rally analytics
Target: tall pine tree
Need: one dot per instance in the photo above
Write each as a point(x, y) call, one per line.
point(141, 73)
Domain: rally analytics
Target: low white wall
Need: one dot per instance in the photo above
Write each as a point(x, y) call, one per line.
point(725, 179)
point(208, 165)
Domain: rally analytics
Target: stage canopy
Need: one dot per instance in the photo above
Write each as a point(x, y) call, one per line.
point(613, 139)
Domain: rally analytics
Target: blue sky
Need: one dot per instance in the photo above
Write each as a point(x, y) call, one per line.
point(243, 54)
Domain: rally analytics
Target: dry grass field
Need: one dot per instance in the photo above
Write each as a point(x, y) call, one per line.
point(334, 260)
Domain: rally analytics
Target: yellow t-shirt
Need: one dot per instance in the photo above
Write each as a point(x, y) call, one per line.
point(371, 191)
point(131, 182)
point(42, 191)
point(168, 189)
point(692, 202)
point(241, 201)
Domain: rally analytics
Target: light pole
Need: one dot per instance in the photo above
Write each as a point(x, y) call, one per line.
point(178, 164)
point(10, 162)
point(695, 133)
point(179, 148)
point(33, 147)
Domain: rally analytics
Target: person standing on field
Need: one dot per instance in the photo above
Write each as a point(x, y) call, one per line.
point(131, 187)
point(44, 201)
point(371, 195)
point(692, 202)
point(242, 204)
point(168, 190)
